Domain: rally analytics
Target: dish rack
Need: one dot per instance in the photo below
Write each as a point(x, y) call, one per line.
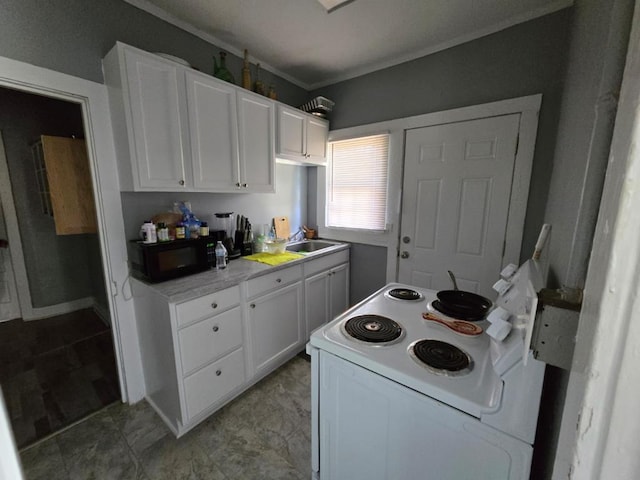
point(318, 106)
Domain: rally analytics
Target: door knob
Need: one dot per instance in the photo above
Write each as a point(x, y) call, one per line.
point(404, 255)
point(406, 239)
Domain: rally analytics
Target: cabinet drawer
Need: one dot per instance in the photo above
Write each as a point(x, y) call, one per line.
point(207, 305)
point(325, 263)
point(207, 386)
point(210, 339)
point(266, 283)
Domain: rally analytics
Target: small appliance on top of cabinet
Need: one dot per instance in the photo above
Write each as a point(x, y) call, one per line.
point(395, 396)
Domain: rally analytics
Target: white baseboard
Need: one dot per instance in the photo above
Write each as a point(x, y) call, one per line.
point(102, 311)
point(60, 308)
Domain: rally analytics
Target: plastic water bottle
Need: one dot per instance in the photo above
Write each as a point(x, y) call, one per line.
point(221, 256)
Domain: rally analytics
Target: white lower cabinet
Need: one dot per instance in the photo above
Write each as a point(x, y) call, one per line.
point(199, 354)
point(208, 385)
point(275, 318)
point(326, 289)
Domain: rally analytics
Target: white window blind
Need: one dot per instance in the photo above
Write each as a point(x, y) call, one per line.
point(357, 183)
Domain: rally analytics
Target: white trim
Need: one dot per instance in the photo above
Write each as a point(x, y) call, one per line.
point(528, 107)
point(156, 11)
point(171, 19)
point(39, 313)
point(601, 422)
point(92, 98)
point(9, 462)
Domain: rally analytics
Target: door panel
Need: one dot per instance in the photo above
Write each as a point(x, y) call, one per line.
point(456, 193)
point(9, 304)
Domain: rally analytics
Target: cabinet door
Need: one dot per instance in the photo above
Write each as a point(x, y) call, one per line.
point(316, 301)
point(291, 133)
point(69, 178)
point(213, 132)
point(317, 134)
point(339, 290)
point(276, 329)
point(256, 143)
point(157, 121)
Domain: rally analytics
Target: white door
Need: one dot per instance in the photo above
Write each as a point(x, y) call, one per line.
point(456, 193)
point(9, 305)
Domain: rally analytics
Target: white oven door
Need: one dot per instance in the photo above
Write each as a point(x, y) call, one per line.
point(373, 428)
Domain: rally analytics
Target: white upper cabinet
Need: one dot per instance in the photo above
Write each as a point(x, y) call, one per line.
point(149, 117)
point(256, 120)
point(177, 129)
point(302, 138)
point(213, 128)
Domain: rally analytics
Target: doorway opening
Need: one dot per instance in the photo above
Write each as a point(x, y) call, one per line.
point(57, 361)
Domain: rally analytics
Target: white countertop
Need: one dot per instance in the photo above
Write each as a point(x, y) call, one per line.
point(237, 271)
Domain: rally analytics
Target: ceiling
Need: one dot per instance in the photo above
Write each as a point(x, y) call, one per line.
point(300, 41)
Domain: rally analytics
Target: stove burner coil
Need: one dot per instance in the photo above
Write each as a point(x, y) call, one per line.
point(404, 294)
point(373, 328)
point(441, 358)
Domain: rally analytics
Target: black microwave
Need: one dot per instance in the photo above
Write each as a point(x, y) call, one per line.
point(161, 261)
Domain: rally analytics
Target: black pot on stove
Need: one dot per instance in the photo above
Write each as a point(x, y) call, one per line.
point(463, 305)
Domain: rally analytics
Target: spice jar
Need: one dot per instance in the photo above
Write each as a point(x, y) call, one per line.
point(163, 232)
point(180, 231)
point(204, 229)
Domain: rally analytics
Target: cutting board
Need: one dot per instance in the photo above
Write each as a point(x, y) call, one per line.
point(282, 227)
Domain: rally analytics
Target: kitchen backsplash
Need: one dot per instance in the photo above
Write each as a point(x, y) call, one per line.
point(290, 200)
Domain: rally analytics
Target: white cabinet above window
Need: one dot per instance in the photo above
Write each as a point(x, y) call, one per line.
point(302, 137)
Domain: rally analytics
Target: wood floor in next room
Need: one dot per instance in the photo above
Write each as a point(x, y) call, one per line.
point(264, 434)
point(55, 371)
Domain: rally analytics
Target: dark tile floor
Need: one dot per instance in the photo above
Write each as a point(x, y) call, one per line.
point(264, 434)
point(55, 371)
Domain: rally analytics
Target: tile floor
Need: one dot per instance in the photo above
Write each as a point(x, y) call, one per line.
point(55, 371)
point(263, 434)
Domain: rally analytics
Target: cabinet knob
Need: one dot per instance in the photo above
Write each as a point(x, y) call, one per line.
point(214, 305)
point(404, 255)
point(245, 185)
point(181, 182)
point(216, 328)
point(218, 373)
point(278, 280)
point(253, 305)
point(406, 239)
point(238, 184)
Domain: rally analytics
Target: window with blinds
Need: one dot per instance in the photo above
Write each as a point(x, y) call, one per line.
point(357, 183)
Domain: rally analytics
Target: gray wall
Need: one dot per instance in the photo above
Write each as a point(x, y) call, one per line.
point(290, 199)
point(60, 268)
point(599, 37)
point(526, 59)
point(72, 36)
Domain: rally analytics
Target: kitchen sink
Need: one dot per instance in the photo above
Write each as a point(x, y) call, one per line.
point(310, 246)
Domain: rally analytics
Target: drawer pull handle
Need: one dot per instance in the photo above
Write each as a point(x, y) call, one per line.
point(253, 305)
point(278, 280)
point(216, 328)
point(218, 373)
point(214, 305)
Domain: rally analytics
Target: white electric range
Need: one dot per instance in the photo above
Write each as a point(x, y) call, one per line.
point(395, 396)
